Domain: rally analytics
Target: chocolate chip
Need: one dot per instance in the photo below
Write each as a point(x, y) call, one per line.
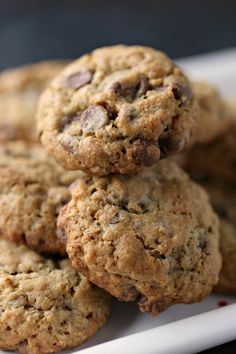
point(116, 87)
point(130, 92)
point(142, 154)
point(67, 120)
point(23, 343)
point(79, 79)
point(203, 244)
point(93, 118)
point(168, 146)
point(67, 143)
point(143, 85)
point(181, 92)
point(161, 88)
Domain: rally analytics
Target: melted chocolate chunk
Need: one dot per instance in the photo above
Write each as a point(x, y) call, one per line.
point(67, 120)
point(130, 92)
point(79, 79)
point(168, 146)
point(93, 118)
point(181, 92)
point(144, 85)
point(141, 152)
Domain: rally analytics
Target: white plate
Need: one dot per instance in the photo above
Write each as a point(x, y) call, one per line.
point(182, 328)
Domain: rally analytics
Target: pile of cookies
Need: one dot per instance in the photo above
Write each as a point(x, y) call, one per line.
point(104, 205)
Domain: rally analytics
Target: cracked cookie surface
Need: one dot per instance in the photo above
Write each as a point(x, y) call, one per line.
point(45, 305)
point(116, 109)
point(19, 92)
point(150, 238)
point(32, 190)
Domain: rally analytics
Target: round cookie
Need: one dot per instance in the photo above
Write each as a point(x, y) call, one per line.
point(214, 114)
point(151, 238)
point(213, 165)
point(215, 161)
point(227, 278)
point(116, 109)
point(45, 305)
point(32, 190)
point(19, 92)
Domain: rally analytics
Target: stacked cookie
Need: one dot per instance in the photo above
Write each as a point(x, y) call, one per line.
point(145, 234)
point(46, 305)
point(106, 193)
point(213, 166)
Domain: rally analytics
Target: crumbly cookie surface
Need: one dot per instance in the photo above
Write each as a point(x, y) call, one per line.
point(152, 238)
point(32, 190)
point(214, 113)
point(116, 109)
point(45, 305)
point(19, 92)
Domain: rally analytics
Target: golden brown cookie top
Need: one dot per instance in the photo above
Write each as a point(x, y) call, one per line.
point(19, 92)
point(45, 305)
point(147, 237)
point(116, 109)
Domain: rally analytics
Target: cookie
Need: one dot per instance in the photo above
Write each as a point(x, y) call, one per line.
point(215, 160)
point(214, 114)
point(150, 238)
point(227, 278)
point(19, 92)
point(116, 109)
point(32, 190)
point(45, 305)
point(214, 166)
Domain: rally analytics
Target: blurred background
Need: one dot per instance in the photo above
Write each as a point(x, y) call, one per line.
point(36, 30)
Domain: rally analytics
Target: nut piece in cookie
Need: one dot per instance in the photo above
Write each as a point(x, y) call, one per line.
point(117, 109)
point(19, 92)
point(33, 188)
point(45, 306)
point(151, 237)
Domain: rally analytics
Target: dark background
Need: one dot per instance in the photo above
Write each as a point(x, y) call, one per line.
point(39, 30)
point(35, 30)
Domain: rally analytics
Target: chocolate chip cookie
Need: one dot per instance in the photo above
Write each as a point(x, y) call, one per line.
point(227, 279)
point(214, 166)
point(215, 160)
point(19, 92)
point(214, 113)
point(45, 305)
point(116, 109)
point(150, 238)
point(32, 190)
